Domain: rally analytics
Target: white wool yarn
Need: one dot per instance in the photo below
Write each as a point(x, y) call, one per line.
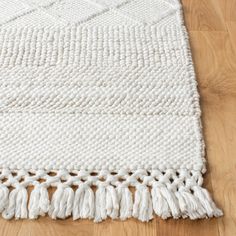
point(99, 97)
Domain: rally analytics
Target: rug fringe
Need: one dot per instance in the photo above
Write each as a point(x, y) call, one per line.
point(39, 202)
point(167, 194)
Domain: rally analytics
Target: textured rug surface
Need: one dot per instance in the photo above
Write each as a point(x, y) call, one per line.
point(98, 99)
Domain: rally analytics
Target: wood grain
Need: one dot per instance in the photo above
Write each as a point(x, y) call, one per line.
point(204, 15)
point(212, 28)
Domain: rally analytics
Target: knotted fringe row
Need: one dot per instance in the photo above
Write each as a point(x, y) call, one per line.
point(167, 194)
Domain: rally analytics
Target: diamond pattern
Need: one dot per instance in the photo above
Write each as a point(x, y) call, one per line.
point(74, 11)
point(112, 17)
point(40, 3)
point(12, 10)
point(90, 12)
point(112, 3)
point(36, 18)
point(149, 11)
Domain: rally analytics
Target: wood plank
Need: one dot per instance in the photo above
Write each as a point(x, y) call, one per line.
point(204, 15)
point(215, 59)
point(230, 10)
point(231, 26)
point(215, 63)
point(220, 129)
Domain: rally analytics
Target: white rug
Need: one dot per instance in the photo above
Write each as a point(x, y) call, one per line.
point(96, 97)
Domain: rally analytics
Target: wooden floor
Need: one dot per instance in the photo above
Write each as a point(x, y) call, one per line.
point(212, 29)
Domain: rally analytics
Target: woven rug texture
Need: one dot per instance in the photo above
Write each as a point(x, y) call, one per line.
point(98, 100)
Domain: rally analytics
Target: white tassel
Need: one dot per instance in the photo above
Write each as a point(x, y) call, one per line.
point(17, 205)
point(55, 202)
point(34, 203)
point(4, 192)
point(83, 206)
point(39, 202)
point(62, 202)
point(107, 203)
point(206, 201)
point(44, 201)
point(194, 208)
point(21, 204)
point(100, 204)
point(171, 200)
point(216, 211)
point(112, 203)
point(182, 204)
point(182, 199)
point(69, 201)
point(89, 205)
point(125, 202)
point(9, 212)
point(188, 204)
point(78, 201)
point(137, 201)
point(160, 204)
point(142, 208)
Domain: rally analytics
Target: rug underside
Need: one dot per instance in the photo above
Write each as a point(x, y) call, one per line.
point(99, 97)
